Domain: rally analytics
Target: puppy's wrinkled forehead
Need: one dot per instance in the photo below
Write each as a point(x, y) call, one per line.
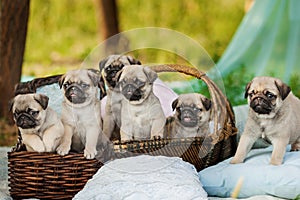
point(117, 60)
point(190, 100)
point(261, 84)
point(78, 76)
point(23, 102)
point(133, 72)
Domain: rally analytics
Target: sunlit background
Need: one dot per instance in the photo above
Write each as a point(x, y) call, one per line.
point(62, 33)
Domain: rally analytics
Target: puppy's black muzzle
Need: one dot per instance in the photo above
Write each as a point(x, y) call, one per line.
point(261, 105)
point(75, 94)
point(111, 75)
point(25, 121)
point(132, 93)
point(187, 116)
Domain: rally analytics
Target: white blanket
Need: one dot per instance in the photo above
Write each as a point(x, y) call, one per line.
point(144, 177)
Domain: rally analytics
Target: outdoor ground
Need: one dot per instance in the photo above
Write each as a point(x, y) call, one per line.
point(8, 133)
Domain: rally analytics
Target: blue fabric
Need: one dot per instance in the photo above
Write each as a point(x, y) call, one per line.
point(55, 95)
point(259, 177)
point(267, 41)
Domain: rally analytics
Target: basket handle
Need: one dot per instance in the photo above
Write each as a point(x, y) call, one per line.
point(221, 106)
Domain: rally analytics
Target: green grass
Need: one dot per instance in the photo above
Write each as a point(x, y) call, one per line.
point(211, 23)
point(62, 33)
point(59, 29)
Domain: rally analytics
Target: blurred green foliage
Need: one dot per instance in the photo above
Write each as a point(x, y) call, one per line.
point(210, 22)
point(64, 28)
point(234, 86)
point(62, 33)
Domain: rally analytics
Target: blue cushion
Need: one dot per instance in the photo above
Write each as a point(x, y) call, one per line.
point(259, 177)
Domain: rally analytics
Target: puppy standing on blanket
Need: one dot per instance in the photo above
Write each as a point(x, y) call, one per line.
point(142, 116)
point(109, 68)
point(191, 118)
point(274, 115)
point(41, 128)
point(81, 113)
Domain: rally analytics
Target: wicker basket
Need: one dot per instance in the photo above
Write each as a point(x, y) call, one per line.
point(48, 175)
point(202, 152)
point(51, 176)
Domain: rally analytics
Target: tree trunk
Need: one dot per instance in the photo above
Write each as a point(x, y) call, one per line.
point(109, 27)
point(108, 16)
point(13, 21)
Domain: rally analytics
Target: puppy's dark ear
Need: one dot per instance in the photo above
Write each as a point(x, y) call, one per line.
point(174, 104)
point(247, 89)
point(133, 61)
point(206, 103)
point(94, 75)
point(11, 104)
point(95, 71)
point(101, 86)
point(102, 64)
point(151, 75)
point(61, 81)
point(283, 89)
point(42, 100)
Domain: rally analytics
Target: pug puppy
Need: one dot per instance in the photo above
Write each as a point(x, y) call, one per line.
point(81, 113)
point(142, 116)
point(273, 115)
point(109, 68)
point(40, 127)
point(191, 118)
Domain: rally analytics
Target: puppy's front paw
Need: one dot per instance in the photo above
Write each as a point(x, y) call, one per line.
point(89, 153)
point(275, 161)
point(63, 149)
point(235, 160)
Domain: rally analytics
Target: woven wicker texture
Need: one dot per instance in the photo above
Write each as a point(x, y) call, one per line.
point(193, 150)
point(51, 176)
point(48, 175)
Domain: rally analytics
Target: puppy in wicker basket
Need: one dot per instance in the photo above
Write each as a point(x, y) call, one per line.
point(109, 68)
point(40, 127)
point(191, 117)
point(142, 116)
point(273, 115)
point(81, 113)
